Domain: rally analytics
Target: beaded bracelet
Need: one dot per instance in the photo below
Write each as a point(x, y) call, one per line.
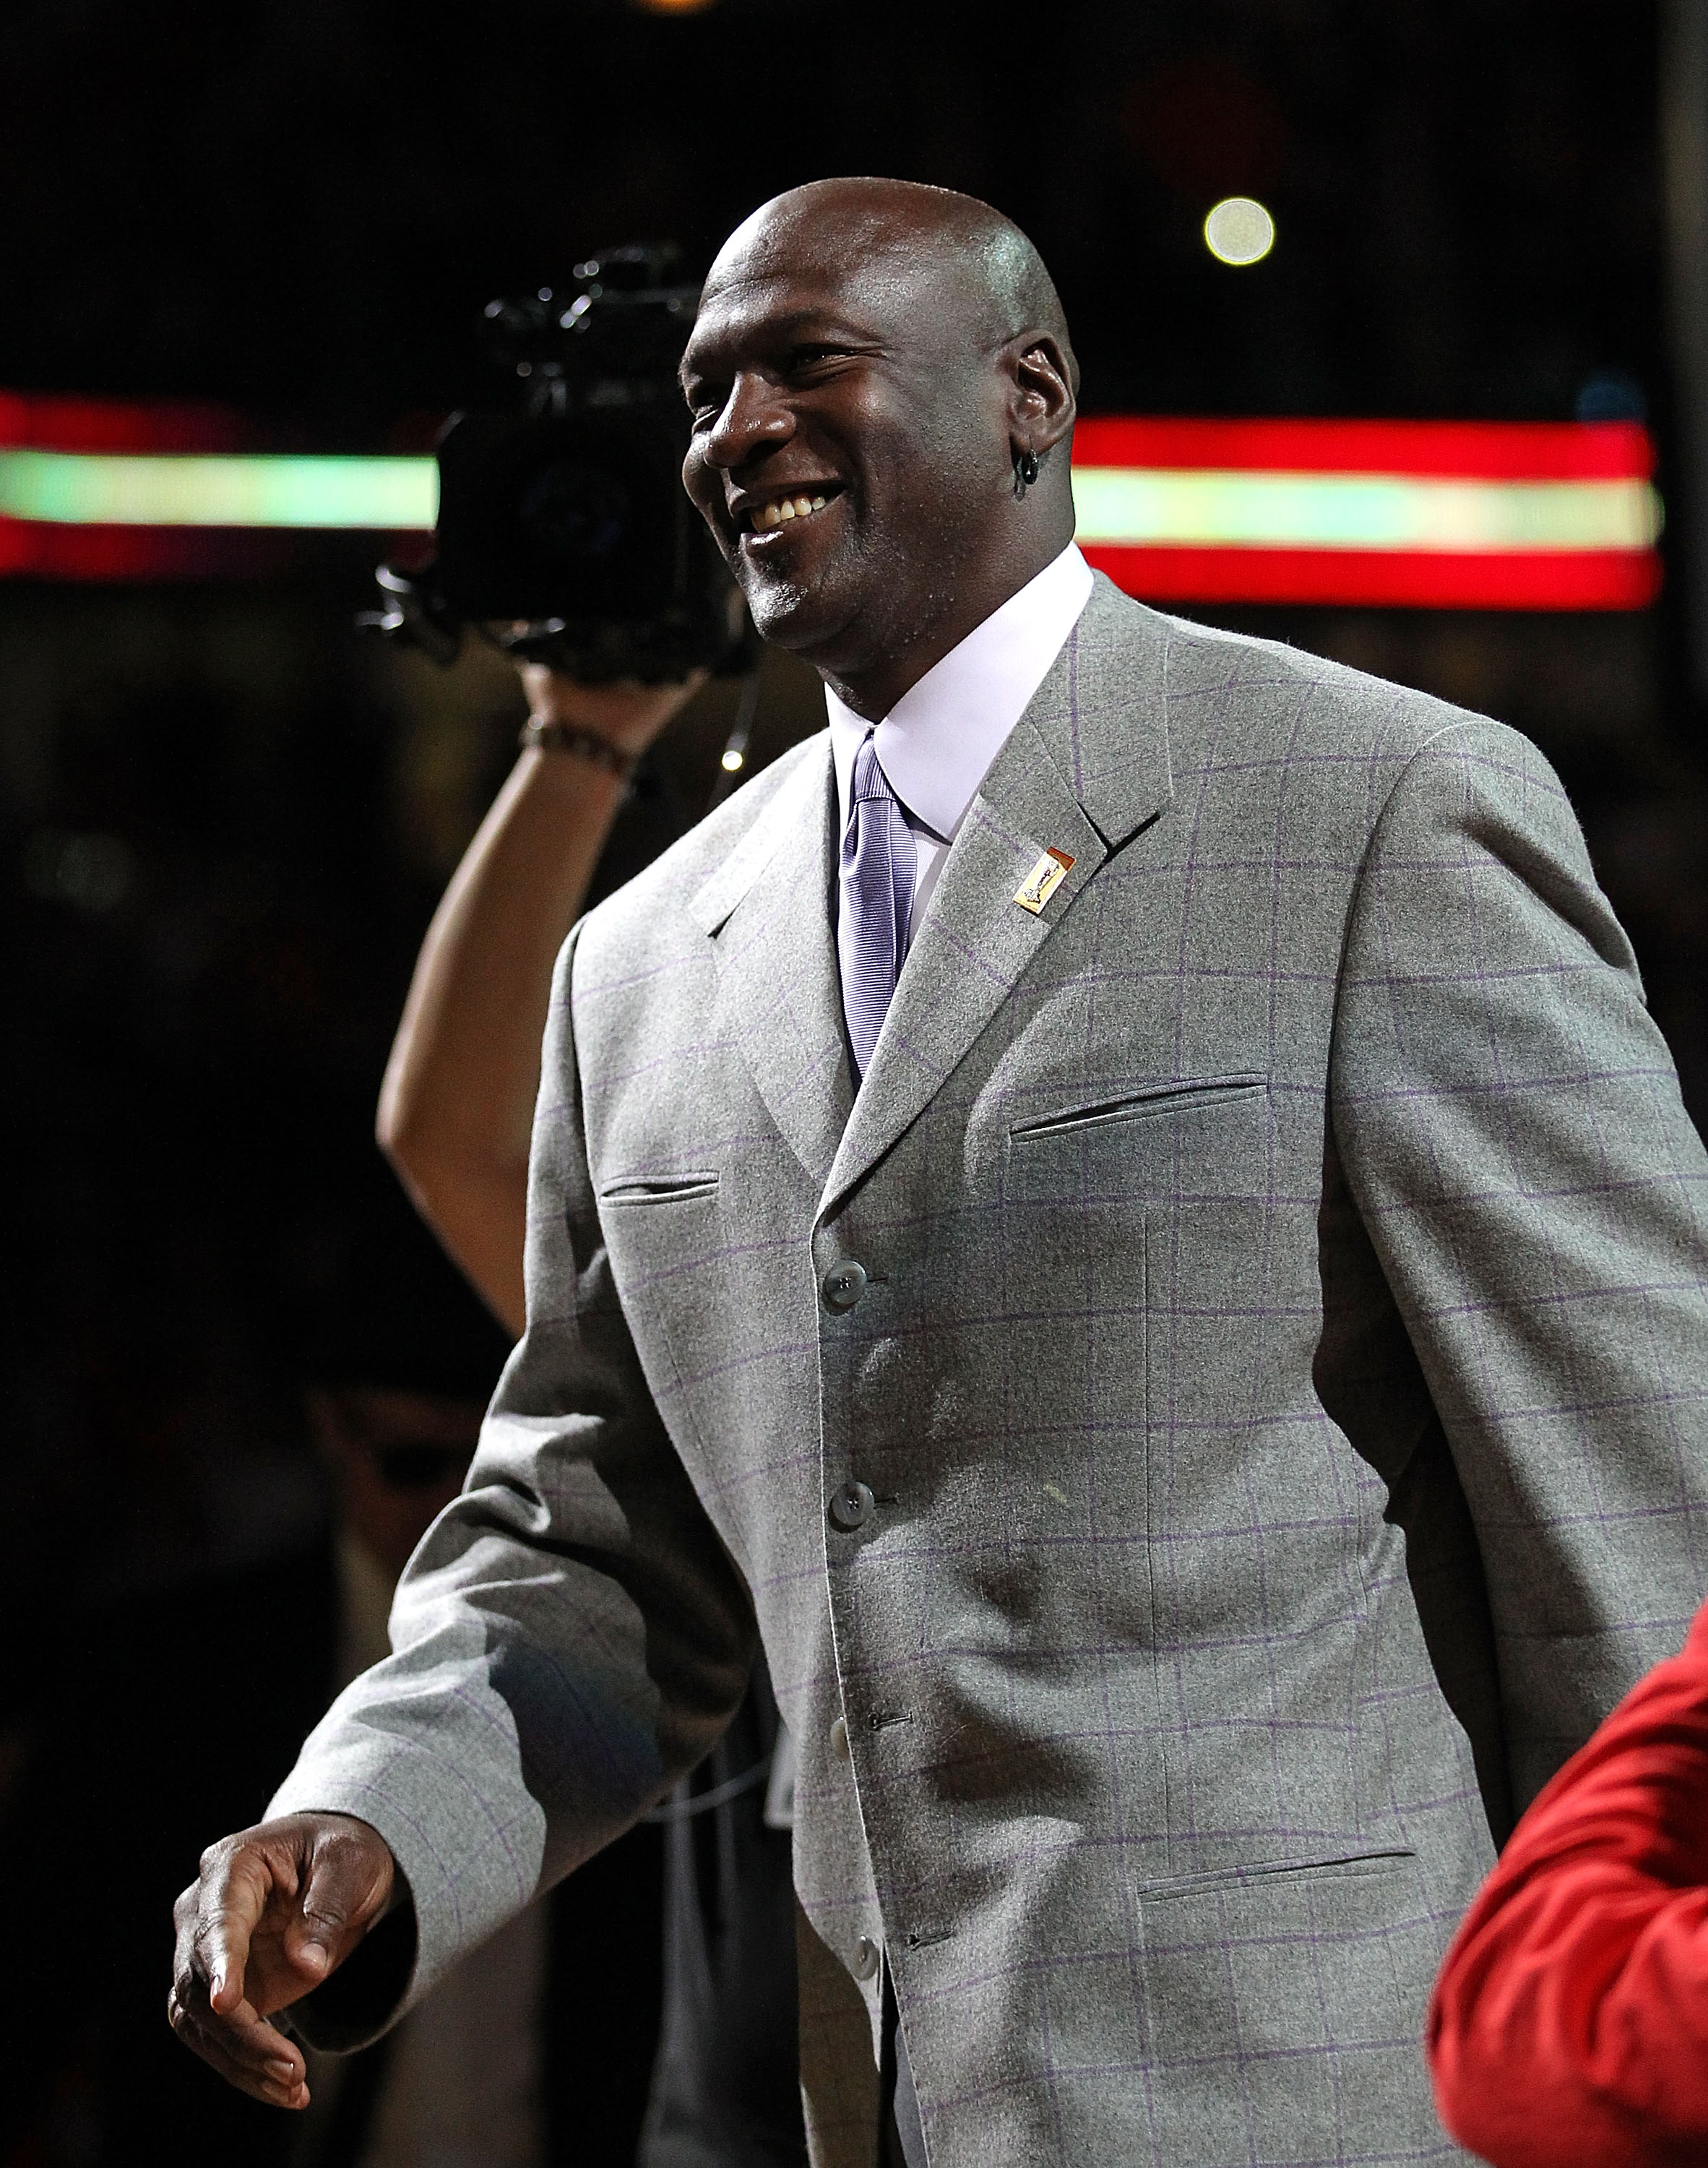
point(552, 735)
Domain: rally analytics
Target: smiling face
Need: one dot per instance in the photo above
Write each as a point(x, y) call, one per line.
point(854, 410)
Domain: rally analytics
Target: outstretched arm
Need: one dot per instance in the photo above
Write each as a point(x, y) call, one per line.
point(571, 1638)
point(457, 1105)
point(278, 1909)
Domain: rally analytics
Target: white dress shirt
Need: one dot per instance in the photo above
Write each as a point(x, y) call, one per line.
point(937, 742)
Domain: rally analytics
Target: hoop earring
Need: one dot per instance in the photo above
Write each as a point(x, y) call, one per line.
point(1025, 473)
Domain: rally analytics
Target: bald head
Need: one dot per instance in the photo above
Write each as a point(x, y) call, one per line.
point(883, 394)
point(964, 248)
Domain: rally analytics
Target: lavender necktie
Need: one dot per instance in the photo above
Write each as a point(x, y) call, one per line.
point(878, 860)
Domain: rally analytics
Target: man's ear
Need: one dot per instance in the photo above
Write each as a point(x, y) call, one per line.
point(1042, 404)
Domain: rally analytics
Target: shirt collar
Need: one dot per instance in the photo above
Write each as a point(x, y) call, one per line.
point(939, 741)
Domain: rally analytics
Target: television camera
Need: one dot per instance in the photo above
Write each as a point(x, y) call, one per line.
point(563, 533)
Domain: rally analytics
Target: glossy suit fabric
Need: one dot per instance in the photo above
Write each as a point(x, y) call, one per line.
point(1274, 1385)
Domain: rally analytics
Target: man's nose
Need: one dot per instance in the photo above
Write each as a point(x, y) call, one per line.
point(754, 417)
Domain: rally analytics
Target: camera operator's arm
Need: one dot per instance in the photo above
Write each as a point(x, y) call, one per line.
point(457, 1105)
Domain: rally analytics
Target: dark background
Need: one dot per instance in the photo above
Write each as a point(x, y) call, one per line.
point(302, 205)
point(224, 821)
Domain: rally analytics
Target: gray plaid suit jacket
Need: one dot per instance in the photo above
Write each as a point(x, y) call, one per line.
point(1279, 1380)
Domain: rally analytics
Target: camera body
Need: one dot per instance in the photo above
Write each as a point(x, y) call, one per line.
point(564, 531)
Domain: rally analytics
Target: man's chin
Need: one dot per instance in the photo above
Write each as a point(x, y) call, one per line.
point(802, 618)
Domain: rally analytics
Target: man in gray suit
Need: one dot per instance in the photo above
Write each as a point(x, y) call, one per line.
point(1201, 1392)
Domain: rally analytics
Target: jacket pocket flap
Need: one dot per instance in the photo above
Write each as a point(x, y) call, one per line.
point(658, 1188)
point(1264, 1871)
point(1139, 1106)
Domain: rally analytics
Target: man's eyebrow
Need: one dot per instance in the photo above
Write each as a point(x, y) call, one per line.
point(786, 330)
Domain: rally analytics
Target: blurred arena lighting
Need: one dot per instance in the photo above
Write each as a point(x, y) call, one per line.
point(109, 489)
point(1472, 515)
point(1238, 230)
point(1426, 514)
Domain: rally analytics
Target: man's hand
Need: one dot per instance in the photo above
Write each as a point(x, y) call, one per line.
point(277, 1909)
point(626, 715)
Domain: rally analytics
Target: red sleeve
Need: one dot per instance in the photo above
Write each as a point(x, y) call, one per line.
point(1569, 2027)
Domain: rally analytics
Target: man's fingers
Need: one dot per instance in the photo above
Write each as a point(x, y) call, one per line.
point(233, 1898)
point(245, 2050)
point(274, 1911)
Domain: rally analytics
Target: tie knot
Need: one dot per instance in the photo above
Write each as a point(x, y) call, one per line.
point(870, 784)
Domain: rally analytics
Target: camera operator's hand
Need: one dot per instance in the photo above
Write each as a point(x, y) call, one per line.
point(627, 716)
point(276, 1909)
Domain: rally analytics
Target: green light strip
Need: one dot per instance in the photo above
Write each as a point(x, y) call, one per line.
point(1141, 506)
point(195, 490)
point(1134, 506)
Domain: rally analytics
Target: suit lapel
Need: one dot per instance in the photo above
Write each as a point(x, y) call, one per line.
point(1085, 766)
point(767, 910)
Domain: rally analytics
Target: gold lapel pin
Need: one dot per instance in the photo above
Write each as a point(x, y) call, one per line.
point(1042, 882)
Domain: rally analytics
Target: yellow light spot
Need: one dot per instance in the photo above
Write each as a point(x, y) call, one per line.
point(1239, 230)
point(672, 6)
point(732, 760)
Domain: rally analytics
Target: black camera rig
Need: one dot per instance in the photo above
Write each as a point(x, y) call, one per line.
point(563, 533)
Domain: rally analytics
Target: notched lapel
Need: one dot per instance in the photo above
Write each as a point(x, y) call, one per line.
point(767, 912)
point(1087, 765)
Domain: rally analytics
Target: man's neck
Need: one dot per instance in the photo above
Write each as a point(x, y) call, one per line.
point(872, 688)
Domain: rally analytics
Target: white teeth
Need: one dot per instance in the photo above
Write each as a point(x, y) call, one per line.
point(765, 517)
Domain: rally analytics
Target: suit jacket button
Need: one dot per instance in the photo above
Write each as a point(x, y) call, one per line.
point(850, 1505)
point(866, 1954)
point(843, 1285)
point(839, 1739)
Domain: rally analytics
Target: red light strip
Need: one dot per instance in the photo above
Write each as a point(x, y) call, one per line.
point(1375, 579)
point(1459, 451)
point(49, 423)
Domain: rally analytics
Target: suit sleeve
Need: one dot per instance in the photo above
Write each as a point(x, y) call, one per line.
point(570, 1638)
point(1571, 2018)
point(1512, 1133)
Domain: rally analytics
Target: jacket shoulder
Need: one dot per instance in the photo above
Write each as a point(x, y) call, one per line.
point(1239, 718)
point(1358, 752)
point(1275, 688)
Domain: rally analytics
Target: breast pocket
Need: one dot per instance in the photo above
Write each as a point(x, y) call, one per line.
point(1162, 1144)
point(632, 1189)
point(1089, 1187)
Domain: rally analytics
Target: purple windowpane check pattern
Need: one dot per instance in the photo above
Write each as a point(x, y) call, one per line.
point(1282, 1385)
point(879, 858)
